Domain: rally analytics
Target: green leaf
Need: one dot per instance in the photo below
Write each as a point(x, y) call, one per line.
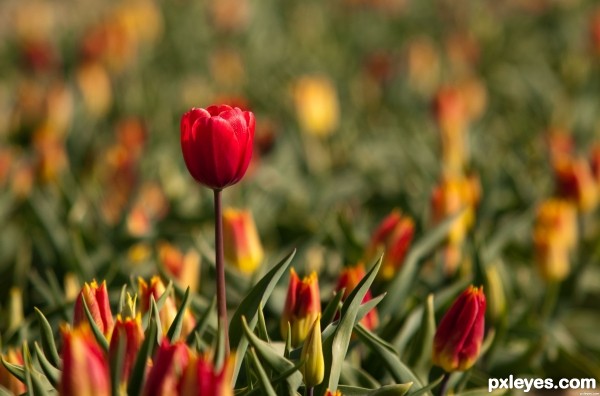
point(387, 390)
point(136, 379)
point(262, 325)
point(175, 329)
point(248, 308)
point(277, 362)
point(102, 341)
point(336, 346)
point(419, 356)
point(16, 370)
point(427, 388)
point(331, 308)
point(33, 379)
point(51, 372)
point(402, 283)
point(266, 387)
point(398, 370)
point(47, 339)
point(116, 365)
point(198, 330)
point(154, 310)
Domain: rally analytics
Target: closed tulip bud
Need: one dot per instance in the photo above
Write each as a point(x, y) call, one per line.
point(7, 380)
point(575, 182)
point(217, 144)
point(169, 363)
point(96, 298)
point(168, 312)
point(336, 393)
point(313, 369)
point(348, 280)
point(202, 378)
point(128, 332)
point(393, 237)
point(459, 336)
point(243, 249)
point(85, 367)
point(554, 238)
point(302, 306)
point(185, 267)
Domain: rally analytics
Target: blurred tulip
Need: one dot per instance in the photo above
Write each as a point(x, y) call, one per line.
point(149, 206)
point(85, 367)
point(15, 308)
point(313, 369)
point(349, 278)
point(217, 144)
point(168, 312)
point(183, 267)
point(227, 69)
point(7, 380)
point(72, 286)
point(243, 249)
point(129, 333)
point(168, 364)
point(555, 237)
point(96, 298)
point(302, 306)
point(575, 182)
point(423, 65)
point(336, 393)
point(496, 297)
point(451, 115)
point(95, 87)
point(317, 105)
point(595, 31)
point(202, 378)
point(560, 144)
point(595, 164)
point(230, 15)
point(458, 338)
point(392, 237)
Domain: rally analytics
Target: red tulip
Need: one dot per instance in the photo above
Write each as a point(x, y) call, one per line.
point(217, 144)
point(169, 363)
point(129, 332)
point(458, 338)
point(302, 306)
point(349, 278)
point(96, 298)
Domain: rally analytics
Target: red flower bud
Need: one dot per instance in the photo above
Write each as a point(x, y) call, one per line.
point(168, 364)
point(458, 338)
point(575, 182)
point(96, 298)
point(393, 236)
point(128, 331)
point(302, 306)
point(201, 377)
point(85, 368)
point(349, 279)
point(217, 144)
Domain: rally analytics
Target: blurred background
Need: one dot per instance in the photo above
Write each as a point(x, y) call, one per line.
point(359, 107)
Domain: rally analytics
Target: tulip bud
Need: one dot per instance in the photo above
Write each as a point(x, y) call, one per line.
point(128, 331)
point(217, 144)
point(393, 236)
point(184, 267)
point(348, 280)
point(7, 380)
point(316, 105)
point(168, 312)
point(336, 393)
point(575, 182)
point(170, 360)
point(302, 306)
point(96, 298)
point(202, 378)
point(554, 238)
point(85, 367)
point(459, 336)
point(242, 245)
point(313, 369)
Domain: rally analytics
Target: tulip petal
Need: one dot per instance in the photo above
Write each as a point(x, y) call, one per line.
point(216, 110)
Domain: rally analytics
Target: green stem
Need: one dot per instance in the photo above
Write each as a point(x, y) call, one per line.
point(221, 298)
point(444, 384)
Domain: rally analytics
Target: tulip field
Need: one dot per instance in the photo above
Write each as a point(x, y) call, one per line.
point(318, 198)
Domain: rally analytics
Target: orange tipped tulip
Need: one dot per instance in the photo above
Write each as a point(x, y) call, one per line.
point(459, 336)
point(201, 378)
point(129, 332)
point(7, 380)
point(243, 249)
point(96, 298)
point(85, 367)
point(170, 360)
point(393, 237)
point(302, 306)
point(575, 182)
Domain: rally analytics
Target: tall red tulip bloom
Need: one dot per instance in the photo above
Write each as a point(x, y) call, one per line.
point(217, 144)
point(458, 338)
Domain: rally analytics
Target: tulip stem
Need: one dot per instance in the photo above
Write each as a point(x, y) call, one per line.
point(310, 391)
point(444, 384)
point(221, 298)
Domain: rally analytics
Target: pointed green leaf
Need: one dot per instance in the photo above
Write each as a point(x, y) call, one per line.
point(116, 366)
point(249, 306)
point(266, 387)
point(332, 308)
point(154, 310)
point(420, 353)
point(262, 325)
point(175, 329)
point(51, 372)
point(47, 338)
point(136, 379)
point(198, 330)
